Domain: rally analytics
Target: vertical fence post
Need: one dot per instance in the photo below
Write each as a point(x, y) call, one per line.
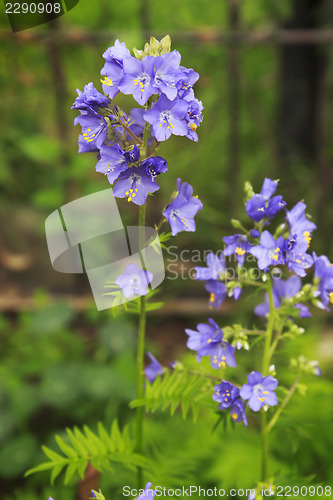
point(233, 93)
point(145, 19)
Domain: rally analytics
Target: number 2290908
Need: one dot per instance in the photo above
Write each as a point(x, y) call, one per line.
point(32, 8)
point(311, 491)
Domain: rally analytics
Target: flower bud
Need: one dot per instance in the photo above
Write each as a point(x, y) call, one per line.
point(165, 45)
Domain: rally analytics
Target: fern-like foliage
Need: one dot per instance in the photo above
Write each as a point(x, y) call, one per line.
point(100, 449)
point(178, 389)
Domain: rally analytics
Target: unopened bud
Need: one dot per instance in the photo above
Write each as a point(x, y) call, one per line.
point(165, 45)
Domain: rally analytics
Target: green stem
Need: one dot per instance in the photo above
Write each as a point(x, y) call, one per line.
point(140, 356)
point(160, 224)
point(283, 405)
point(270, 328)
point(141, 329)
point(254, 332)
point(264, 446)
point(265, 370)
point(245, 281)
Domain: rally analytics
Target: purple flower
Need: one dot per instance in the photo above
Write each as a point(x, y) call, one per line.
point(255, 233)
point(283, 289)
point(86, 147)
point(237, 244)
point(324, 277)
point(263, 205)
point(167, 74)
point(269, 252)
point(94, 128)
point(167, 117)
point(181, 211)
point(205, 339)
point(259, 391)
point(317, 371)
point(194, 118)
point(138, 78)
point(299, 223)
point(90, 98)
point(217, 291)
point(153, 369)
point(113, 68)
point(225, 394)
point(113, 161)
point(224, 355)
point(134, 184)
point(186, 82)
point(237, 411)
point(216, 266)
point(134, 281)
point(236, 292)
point(296, 257)
point(255, 207)
point(137, 122)
point(147, 494)
point(208, 341)
point(117, 52)
point(155, 165)
point(132, 155)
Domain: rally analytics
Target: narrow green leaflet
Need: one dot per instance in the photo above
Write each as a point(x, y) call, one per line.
point(178, 389)
point(101, 449)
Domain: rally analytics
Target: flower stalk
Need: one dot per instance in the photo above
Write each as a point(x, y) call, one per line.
point(265, 369)
point(141, 327)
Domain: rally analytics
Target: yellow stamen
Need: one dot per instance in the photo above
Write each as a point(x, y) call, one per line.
point(107, 81)
point(240, 251)
point(276, 256)
point(307, 237)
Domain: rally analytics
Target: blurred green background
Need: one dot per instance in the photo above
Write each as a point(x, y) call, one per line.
point(267, 97)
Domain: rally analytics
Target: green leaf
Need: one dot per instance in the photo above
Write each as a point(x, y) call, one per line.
point(100, 449)
point(67, 450)
point(39, 468)
point(178, 389)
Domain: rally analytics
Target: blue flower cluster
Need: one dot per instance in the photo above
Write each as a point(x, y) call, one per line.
point(288, 247)
point(158, 83)
point(280, 256)
point(208, 340)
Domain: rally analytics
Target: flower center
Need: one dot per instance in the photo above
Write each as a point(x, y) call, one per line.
point(136, 180)
point(142, 80)
point(275, 255)
point(240, 251)
point(165, 119)
point(175, 214)
point(257, 389)
point(107, 81)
